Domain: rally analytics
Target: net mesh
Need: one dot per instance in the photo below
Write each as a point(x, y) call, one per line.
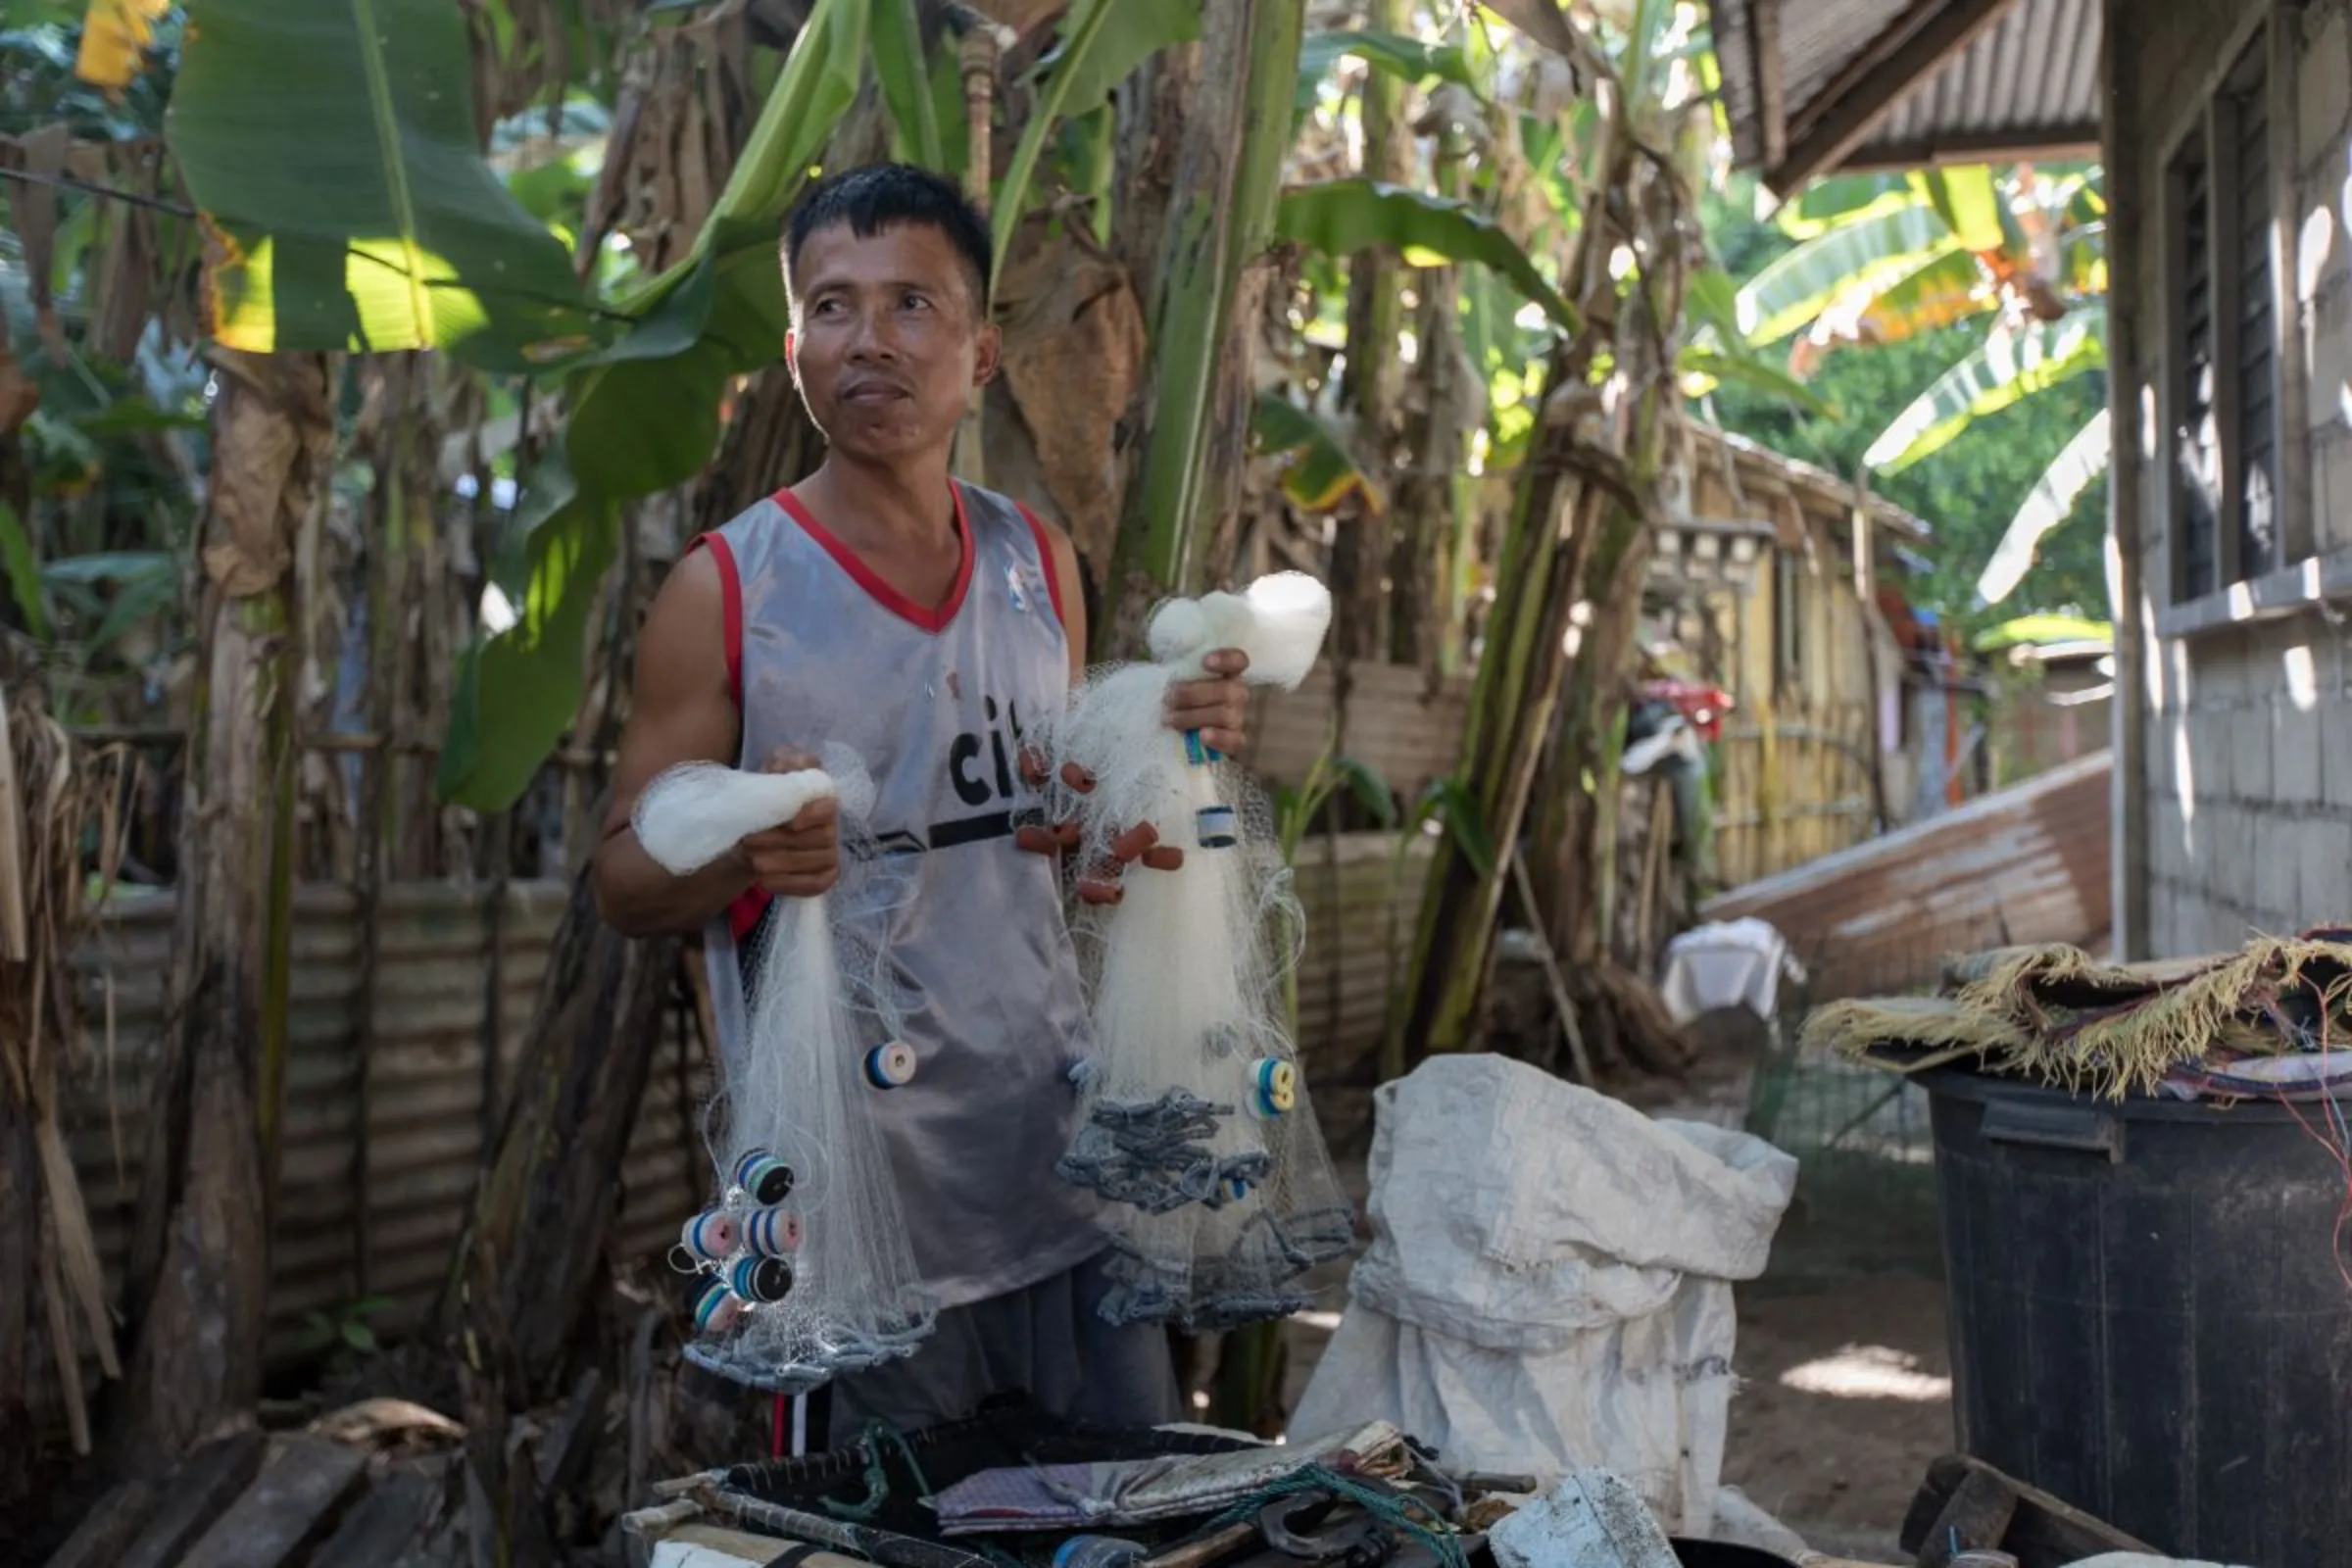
point(1195, 1122)
point(806, 1265)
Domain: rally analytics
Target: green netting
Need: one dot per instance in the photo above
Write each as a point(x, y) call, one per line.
point(1866, 1179)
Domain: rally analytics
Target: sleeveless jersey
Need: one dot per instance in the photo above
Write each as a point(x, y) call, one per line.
point(820, 649)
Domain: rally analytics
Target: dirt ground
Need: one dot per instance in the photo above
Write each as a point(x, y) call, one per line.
point(1846, 1397)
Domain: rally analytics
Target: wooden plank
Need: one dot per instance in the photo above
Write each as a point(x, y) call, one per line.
point(1974, 1518)
point(2045, 1532)
point(102, 1538)
point(294, 1505)
point(212, 1479)
point(383, 1529)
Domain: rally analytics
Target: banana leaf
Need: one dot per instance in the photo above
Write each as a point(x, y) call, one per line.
point(2007, 368)
point(1409, 59)
point(1877, 251)
point(1093, 57)
point(1322, 473)
point(1341, 216)
point(331, 144)
point(2050, 502)
point(645, 416)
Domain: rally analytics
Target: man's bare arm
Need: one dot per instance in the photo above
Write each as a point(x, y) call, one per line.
point(683, 712)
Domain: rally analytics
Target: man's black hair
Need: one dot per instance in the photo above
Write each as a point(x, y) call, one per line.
point(873, 198)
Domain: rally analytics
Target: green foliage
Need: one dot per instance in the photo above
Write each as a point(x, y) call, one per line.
point(644, 416)
point(333, 144)
point(1968, 491)
point(1342, 217)
point(1970, 488)
point(38, 87)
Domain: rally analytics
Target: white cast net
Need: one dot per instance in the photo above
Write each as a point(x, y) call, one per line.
point(807, 1270)
point(1195, 1122)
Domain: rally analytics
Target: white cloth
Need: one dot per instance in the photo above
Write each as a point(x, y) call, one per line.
point(1548, 1288)
point(1727, 963)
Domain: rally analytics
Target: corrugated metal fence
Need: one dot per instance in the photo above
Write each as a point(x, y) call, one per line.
point(421, 1094)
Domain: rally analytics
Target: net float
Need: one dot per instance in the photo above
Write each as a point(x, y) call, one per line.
point(773, 1231)
point(890, 1066)
point(766, 1177)
point(760, 1279)
point(1274, 1087)
point(710, 1234)
point(716, 1310)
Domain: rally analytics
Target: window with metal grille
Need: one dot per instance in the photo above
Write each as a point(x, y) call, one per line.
point(2223, 338)
point(2196, 447)
point(2256, 460)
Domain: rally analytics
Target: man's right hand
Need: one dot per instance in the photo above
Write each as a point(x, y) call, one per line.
point(801, 858)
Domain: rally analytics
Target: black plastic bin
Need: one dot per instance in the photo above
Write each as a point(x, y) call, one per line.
point(2148, 1315)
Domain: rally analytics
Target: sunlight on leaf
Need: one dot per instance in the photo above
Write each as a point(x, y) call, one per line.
point(2051, 502)
point(2009, 368)
point(1321, 473)
point(331, 146)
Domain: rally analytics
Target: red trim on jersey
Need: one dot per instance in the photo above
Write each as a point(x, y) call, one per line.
point(889, 597)
point(1044, 557)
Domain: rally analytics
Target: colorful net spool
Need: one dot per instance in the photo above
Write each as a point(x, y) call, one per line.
point(773, 1231)
point(1273, 1087)
point(1215, 828)
point(766, 1177)
point(890, 1066)
point(712, 1235)
point(760, 1279)
point(716, 1310)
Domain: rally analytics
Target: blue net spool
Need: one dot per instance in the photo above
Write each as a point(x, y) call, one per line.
point(1216, 828)
point(773, 1231)
point(716, 1308)
point(890, 1066)
point(712, 1235)
point(760, 1279)
point(1273, 1087)
point(766, 1177)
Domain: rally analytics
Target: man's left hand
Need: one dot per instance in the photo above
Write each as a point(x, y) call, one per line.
point(1217, 704)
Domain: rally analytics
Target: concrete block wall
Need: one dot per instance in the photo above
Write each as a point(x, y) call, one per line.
point(2248, 780)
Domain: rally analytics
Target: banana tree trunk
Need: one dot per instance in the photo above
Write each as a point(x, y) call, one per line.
point(1207, 280)
point(1555, 515)
point(1369, 378)
point(200, 1256)
point(1566, 594)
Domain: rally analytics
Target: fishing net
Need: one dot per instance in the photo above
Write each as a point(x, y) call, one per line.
point(807, 1272)
point(1195, 1124)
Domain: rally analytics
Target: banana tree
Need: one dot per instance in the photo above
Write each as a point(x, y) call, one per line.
point(1568, 571)
point(1884, 259)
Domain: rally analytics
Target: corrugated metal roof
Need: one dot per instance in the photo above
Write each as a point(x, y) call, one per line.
point(2030, 80)
point(2033, 76)
point(2026, 864)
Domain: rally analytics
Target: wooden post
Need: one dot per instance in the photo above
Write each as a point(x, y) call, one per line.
point(2127, 232)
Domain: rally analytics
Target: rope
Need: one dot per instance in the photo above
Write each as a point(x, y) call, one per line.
point(1392, 1508)
point(877, 1476)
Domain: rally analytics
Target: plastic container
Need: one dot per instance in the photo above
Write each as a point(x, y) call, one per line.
point(2148, 1316)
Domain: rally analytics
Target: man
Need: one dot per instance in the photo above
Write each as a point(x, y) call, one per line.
point(922, 623)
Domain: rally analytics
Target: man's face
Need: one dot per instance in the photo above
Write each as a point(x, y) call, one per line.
point(887, 342)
